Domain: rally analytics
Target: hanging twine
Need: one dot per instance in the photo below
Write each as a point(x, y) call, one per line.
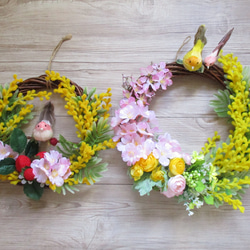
point(186, 40)
point(40, 82)
point(56, 49)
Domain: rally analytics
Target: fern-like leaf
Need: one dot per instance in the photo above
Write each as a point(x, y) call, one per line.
point(246, 76)
point(67, 148)
point(94, 169)
point(221, 104)
point(99, 132)
point(66, 187)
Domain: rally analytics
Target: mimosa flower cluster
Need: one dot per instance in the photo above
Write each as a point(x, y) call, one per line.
point(156, 162)
point(65, 165)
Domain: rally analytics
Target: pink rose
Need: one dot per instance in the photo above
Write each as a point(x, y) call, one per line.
point(176, 186)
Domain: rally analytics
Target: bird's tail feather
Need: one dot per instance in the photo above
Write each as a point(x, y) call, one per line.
point(48, 113)
point(200, 35)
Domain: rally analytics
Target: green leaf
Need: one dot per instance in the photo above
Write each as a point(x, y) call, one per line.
point(65, 187)
point(91, 93)
point(33, 191)
point(68, 148)
point(18, 140)
point(85, 91)
point(99, 132)
point(247, 135)
point(94, 169)
point(209, 199)
point(201, 69)
point(228, 191)
point(32, 148)
point(221, 103)
point(58, 190)
point(196, 165)
point(218, 202)
point(144, 186)
point(7, 166)
point(79, 176)
point(246, 76)
point(71, 189)
point(199, 186)
point(179, 61)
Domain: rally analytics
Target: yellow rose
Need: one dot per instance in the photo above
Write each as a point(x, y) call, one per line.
point(176, 166)
point(136, 172)
point(149, 164)
point(157, 174)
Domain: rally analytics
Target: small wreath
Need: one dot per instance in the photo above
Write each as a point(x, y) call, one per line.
point(67, 165)
point(217, 174)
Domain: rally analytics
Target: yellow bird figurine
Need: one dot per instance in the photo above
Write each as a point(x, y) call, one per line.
point(192, 61)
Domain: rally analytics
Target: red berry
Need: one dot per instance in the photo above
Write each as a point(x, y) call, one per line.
point(28, 174)
point(22, 161)
point(53, 141)
point(41, 154)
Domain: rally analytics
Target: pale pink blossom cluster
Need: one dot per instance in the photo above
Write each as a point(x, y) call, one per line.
point(133, 131)
point(167, 148)
point(135, 125)
point(52, 167)
point(6, 151)
point(152, 78)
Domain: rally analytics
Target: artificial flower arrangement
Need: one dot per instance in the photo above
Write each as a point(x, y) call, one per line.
point(68, 163)
point(219, 173)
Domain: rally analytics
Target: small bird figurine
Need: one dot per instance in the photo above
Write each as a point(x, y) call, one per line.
point(43, 130)
point(211, 59)
point(192, 61)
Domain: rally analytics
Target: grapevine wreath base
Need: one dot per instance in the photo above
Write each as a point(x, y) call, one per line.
point(67, 164)
point(219, 173)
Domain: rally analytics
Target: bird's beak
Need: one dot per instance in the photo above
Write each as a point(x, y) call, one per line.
point(207, 67)
point(192, 67)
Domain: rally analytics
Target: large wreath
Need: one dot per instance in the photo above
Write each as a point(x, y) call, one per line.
point(217, 174)
point(69, 163)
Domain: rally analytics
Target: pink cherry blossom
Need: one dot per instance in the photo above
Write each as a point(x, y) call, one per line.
point(136, 139)
point(131, 153)
point(60, 172)
point(163, 152)
point(161, 80)
point(136, 89)
point(144, 128)
point(117, 132)
point(147, 148)
point(142, 100)
point(128, 129)
point(52, 167)
point(129, 112)
point(143, 110)
point(151, 83)
point(41, 169)
point(166, 138)
point(6, 151)
point(147, 71)
point(176, 186)
point(52, 157)
point(187, 158)
point(126, 101)
point(116, 120)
